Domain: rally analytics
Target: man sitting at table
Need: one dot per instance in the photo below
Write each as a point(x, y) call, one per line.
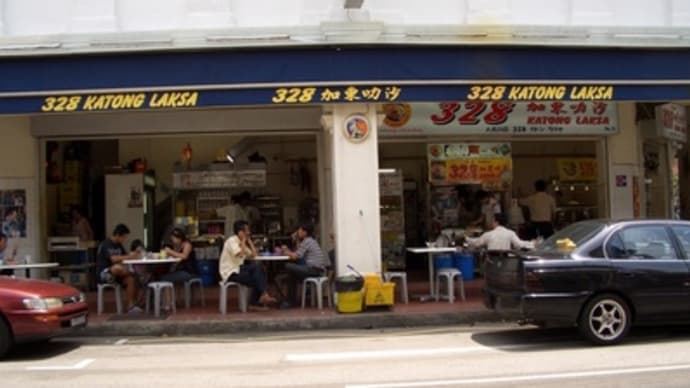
point(499, 238)
point(310, 260)
point(5, 258)
point(235, 266)
point(109, 258)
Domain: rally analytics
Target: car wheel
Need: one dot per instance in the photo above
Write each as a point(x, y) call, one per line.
point(605, 320)
point(5, 338)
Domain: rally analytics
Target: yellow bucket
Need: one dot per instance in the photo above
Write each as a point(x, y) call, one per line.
point(350, 301)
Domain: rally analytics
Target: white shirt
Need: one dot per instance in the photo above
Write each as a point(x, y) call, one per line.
point(232, 258)
point(500, 239)
point(541, 206)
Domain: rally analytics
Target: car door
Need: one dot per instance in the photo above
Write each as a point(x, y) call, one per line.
point(650, 270)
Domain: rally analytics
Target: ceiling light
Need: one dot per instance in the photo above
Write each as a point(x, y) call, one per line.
point(230, 157)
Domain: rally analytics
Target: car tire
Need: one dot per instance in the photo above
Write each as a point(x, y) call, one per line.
point(605, 320)
point(5, 338)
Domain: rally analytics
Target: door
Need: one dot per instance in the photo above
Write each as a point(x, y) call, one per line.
point(649, 268)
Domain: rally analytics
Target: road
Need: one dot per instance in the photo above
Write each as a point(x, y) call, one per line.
point(481, 356)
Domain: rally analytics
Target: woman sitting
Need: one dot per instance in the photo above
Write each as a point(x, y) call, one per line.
point(182, 249)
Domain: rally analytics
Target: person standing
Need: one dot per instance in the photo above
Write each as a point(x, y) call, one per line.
point(6, 258)
point(542, 210)
point(236, 266)
point(80, 225)
point(309, 260)
point(109, 259)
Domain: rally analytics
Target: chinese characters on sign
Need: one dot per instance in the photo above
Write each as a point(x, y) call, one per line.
point(501, 118)
point(336, 94)
point(672, 122)
point(577, 169)
point(488, 164)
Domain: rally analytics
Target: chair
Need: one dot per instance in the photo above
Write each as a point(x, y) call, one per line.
point(242, 298)
point(449, 274)
point(188, 292)
point(318, 284)
point(402, 278)
point(158, 288)
point(118, 296)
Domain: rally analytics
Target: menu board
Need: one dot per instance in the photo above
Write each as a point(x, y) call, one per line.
point(488, 164)
point(577, 169)
point(219, 179)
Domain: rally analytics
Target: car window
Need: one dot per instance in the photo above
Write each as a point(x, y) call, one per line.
point(578, 233)
point(683, 235)
point(641, 242)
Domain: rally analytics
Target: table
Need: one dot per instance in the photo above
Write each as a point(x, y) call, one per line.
point(151, 261)
point(272, 272)
point(271, 258)
point(28, 267)
point(430, 251)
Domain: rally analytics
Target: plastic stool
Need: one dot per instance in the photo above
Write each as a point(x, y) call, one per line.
point(157, 288)
point(242, 298)
point(318, 284)
point(402, 278)
point(188, 292)
point(118, 296)
point(450, 274)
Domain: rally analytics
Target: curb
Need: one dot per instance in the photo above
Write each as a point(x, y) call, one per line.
point(373, 320)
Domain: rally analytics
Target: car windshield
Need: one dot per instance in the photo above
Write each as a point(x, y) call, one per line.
point(577, 233)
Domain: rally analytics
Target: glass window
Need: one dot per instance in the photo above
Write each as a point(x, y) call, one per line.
point(642, 242)
point(683, 234)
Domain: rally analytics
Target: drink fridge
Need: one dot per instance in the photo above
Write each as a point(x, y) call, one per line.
point(392, 220)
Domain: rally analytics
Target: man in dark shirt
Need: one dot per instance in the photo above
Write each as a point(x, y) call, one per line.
point(109, 259)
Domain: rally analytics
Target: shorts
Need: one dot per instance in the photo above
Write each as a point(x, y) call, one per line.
point(107, 277)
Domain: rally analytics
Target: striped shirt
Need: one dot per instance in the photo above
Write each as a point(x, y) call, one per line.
point(310, 251)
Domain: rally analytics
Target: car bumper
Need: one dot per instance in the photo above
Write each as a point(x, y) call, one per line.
point(537, 307)
point(37, 325)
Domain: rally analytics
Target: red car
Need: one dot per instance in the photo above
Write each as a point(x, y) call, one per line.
point(35, 310)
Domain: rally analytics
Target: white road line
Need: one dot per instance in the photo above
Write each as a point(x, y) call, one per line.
point(375, 354)
point(80, 365)
point(527, 378)
point(121, 341)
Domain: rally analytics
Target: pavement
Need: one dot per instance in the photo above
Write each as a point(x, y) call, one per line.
point(207, 320)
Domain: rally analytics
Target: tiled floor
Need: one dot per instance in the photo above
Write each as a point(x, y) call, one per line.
point(473, 302)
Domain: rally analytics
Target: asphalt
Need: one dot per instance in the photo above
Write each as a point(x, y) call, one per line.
point(364, 321)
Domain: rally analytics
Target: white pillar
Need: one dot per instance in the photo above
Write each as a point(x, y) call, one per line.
point(355, 186)
point(625, 172)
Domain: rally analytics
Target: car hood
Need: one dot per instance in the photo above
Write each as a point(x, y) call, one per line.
point(35, 288)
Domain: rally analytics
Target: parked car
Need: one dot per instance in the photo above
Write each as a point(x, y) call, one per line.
point(602, 276)
point(34, 310)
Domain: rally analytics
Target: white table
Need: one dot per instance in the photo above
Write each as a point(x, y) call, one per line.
point(271, 258)
point(151, 261)
point(430, 251)
point(28, 267)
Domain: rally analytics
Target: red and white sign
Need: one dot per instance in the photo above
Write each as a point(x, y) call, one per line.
point(501, 118)
point(672, 122)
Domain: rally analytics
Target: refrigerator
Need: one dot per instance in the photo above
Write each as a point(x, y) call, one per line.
point(392, 220)
point(130, 200)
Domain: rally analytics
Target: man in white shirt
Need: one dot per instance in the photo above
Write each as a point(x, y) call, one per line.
point(500, 238)
point(542, 210)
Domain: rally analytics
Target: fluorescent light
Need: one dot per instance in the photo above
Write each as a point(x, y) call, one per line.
point(229, 157)
point(353, 4)
point(31, 46)
point(235, 38)
point(387, 171)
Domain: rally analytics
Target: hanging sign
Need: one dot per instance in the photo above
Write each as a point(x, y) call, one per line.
point(488, 164)
point(672, 122)
point(501, 118)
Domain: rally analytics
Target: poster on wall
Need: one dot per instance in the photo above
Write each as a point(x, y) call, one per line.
point(500, 118)
point(488, 164)
point(577, 169)
point(13, 210)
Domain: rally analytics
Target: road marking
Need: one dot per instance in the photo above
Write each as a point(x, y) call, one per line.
point(121, 341)
point(536, 377)
point(80, 365)
point(375, 354)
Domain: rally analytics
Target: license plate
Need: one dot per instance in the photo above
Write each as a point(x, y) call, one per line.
point(78, 321)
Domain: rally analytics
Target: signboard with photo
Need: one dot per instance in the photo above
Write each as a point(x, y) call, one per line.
point(488, 164)
point(577, 169)
point(13, 210)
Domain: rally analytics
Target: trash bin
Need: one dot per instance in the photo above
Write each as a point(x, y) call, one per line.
point(465, 263)
point(443, 261)
point(208, 271)
point(350, 294)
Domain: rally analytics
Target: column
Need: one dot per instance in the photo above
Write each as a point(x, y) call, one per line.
point(352, 130)
point(625, 170)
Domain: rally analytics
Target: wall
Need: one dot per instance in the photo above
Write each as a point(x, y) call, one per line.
point(625, 169)
point(19, 158)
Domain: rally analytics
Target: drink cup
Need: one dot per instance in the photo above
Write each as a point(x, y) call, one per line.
point(27, 259)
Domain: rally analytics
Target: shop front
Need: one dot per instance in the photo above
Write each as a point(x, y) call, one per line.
point(318, 126)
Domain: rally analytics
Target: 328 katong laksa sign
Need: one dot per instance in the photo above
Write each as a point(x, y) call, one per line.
point(501, 118)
